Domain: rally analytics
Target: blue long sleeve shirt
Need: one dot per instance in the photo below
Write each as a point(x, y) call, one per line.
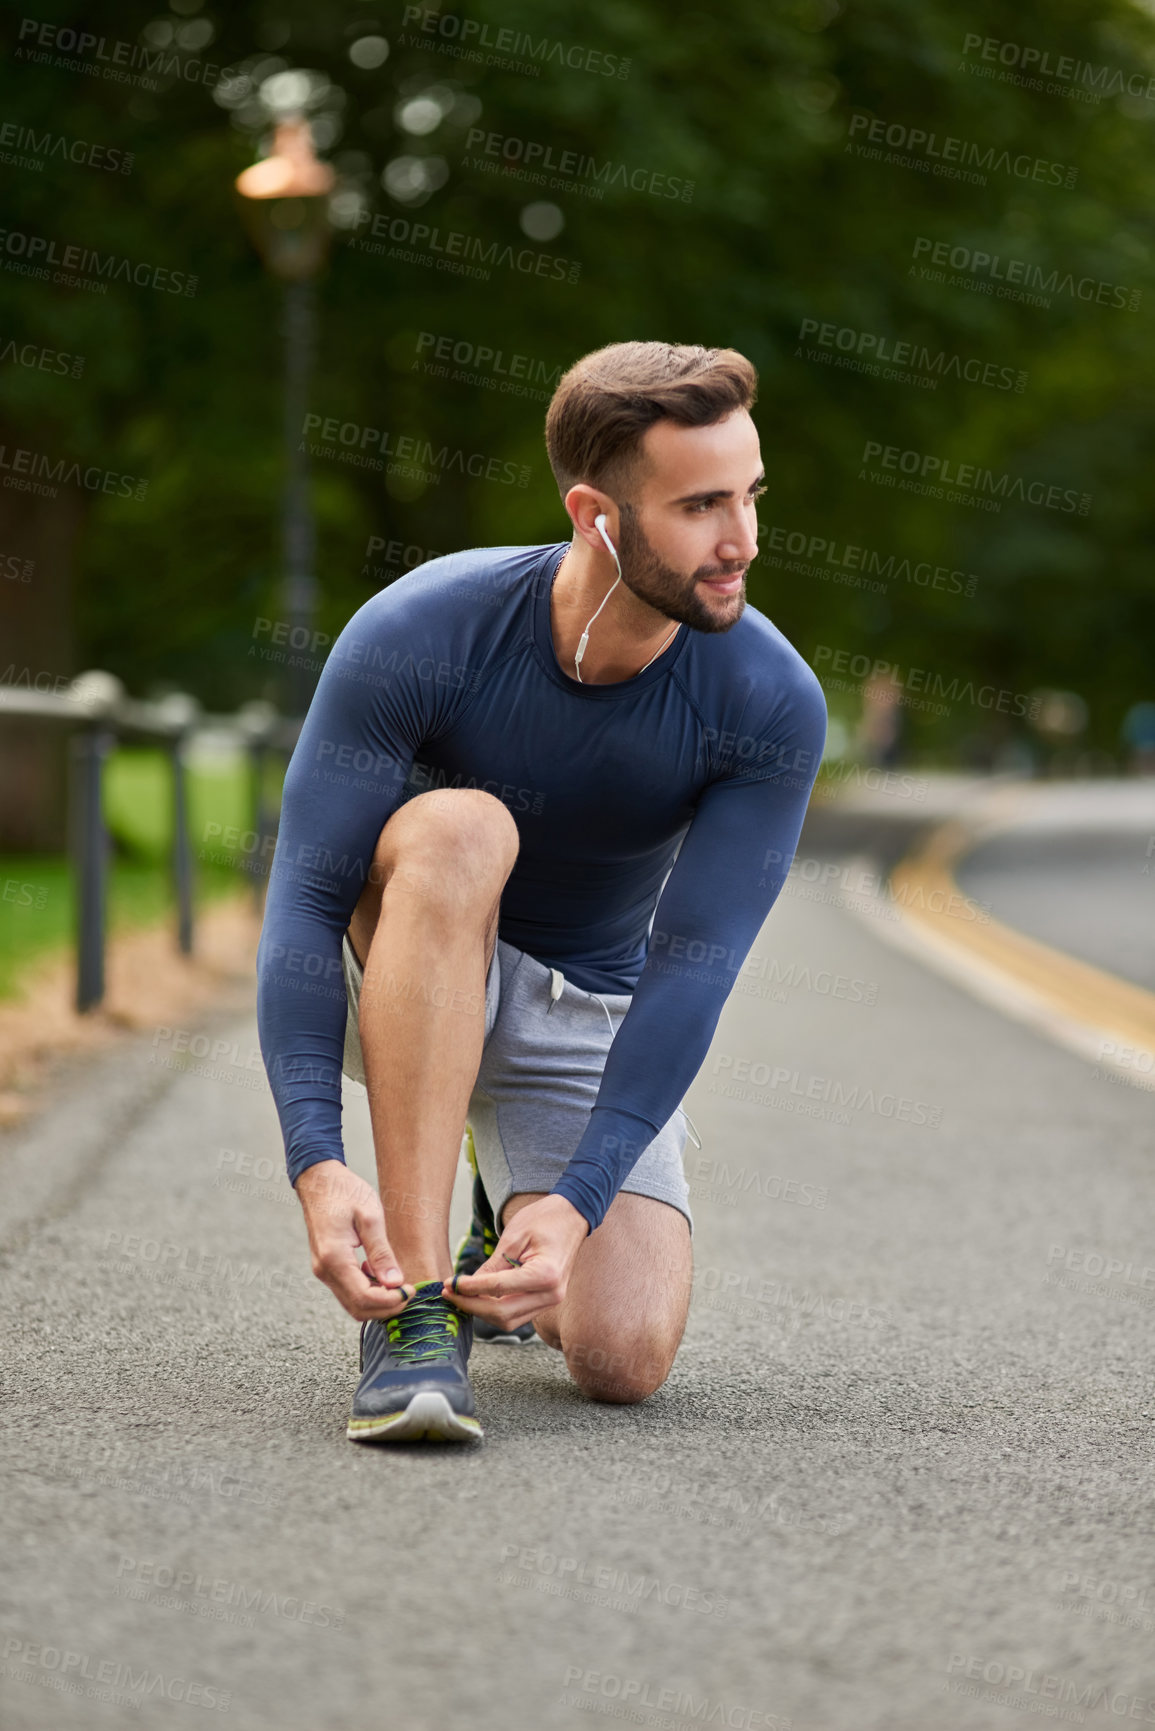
point(658, 817)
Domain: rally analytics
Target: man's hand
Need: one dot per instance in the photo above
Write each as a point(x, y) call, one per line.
point(544, 1238)
point(342, 1212)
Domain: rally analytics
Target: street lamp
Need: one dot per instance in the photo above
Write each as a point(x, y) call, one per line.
point(285, 204)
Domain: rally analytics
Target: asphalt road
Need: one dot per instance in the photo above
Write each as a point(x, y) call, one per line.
point(901, 1472)
point(1091, 894)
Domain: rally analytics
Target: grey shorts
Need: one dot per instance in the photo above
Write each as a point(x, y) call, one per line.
point(545, 1046)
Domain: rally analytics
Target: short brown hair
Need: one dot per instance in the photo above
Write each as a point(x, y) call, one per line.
point(607, 401)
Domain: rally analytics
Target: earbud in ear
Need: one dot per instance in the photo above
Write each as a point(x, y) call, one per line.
point(600, 526)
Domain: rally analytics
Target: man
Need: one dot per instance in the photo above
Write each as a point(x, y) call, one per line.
point(541, 805)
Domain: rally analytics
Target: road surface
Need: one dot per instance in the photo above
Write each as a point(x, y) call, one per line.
point(900, 1477)
point(1090, 894)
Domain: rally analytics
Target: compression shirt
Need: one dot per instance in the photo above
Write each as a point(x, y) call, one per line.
point(657, 816)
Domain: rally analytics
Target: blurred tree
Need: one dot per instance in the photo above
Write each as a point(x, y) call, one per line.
point(786, 227)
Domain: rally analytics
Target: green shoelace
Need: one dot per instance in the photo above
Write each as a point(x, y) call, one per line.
point(426, 1329)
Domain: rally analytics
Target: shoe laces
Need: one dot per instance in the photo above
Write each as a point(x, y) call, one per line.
point(426, 1329)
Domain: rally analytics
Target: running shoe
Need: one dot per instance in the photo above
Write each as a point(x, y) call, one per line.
point(477, 1247)
point(415, 1384)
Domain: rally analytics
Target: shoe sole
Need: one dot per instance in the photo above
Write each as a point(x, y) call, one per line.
point(504, 1339)
point(428, 1418)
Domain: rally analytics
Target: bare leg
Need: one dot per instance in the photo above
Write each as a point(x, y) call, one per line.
point(624, 1313)
point(424, 929)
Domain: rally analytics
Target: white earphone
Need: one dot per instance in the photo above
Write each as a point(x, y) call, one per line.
point(600, 526)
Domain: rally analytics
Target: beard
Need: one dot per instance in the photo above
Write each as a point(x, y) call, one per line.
point(670, 591)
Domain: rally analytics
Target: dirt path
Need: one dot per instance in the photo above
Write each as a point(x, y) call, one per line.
point(148, 983)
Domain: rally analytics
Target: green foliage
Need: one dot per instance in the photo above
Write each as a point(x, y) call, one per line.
point(37, 904)
point(138, 801)
point(754, 105)
point(38, 908)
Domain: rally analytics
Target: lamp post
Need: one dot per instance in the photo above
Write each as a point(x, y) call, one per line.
point(284, 200)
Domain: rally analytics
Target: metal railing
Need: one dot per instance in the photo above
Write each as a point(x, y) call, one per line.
point(100, 714)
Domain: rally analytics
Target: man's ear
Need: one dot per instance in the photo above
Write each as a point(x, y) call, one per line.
point(584, 504)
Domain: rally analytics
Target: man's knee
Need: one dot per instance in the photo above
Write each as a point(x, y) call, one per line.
point(623, 1370)
point(453, 842)
point(547, 1331)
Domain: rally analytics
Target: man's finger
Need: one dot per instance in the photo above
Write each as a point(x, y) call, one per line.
point(359, 1295)
point(510, 1314)
point(396, 1288)
point(502, 1282)
point(370, 1225)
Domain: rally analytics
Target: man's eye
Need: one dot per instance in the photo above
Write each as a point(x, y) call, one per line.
point(758, 492)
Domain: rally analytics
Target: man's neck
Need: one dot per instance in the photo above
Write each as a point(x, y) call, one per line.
point(627, 633)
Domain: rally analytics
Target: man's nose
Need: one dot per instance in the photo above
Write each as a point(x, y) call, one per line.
point(740, 542)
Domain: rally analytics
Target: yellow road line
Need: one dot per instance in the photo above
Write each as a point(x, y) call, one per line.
point(924, 885)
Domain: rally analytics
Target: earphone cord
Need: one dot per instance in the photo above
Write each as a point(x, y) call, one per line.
point(585, 634)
